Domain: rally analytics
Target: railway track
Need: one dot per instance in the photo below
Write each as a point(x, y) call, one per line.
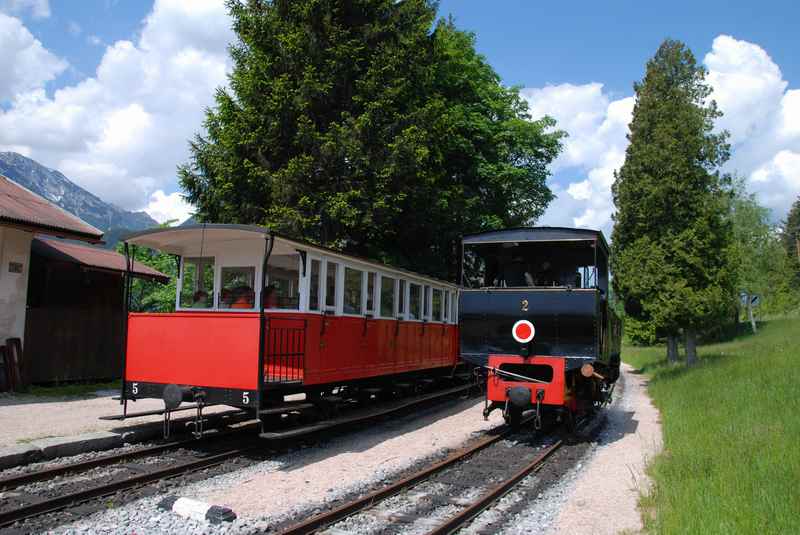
point(441, 498)
point(27, 497)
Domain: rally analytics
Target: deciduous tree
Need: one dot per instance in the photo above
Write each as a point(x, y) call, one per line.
point(369, 127)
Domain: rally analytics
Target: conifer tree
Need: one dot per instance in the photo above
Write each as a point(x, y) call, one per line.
point(671, 237)
point(370, 127)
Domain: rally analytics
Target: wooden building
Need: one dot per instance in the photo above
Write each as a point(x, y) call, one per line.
point(74, 323)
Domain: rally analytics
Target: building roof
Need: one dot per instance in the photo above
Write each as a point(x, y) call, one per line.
point(91, 257)
point(21, 208)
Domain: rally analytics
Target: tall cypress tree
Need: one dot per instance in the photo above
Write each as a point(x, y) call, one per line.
point(367, 126)
point(670, 239)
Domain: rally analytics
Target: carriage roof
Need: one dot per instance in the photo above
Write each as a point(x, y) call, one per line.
point(189, 239)
point(536, 234)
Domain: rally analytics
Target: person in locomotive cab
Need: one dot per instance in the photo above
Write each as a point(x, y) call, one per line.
point(516, 273)
point(546, 276)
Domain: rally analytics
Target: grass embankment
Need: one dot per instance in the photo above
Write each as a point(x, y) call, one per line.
point(731, 460)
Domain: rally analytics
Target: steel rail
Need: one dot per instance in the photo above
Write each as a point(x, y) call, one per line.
point(12, 482)
point(327, 518)
point(60, 502)
point(457, 521)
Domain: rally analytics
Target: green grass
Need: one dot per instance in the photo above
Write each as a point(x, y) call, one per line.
point(78, 389)
point(731, 459)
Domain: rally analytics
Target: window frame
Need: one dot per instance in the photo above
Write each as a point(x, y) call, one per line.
point(256, 292)
point(215, 284)
point(300, 287)
point(362, 284)
point(379, 299)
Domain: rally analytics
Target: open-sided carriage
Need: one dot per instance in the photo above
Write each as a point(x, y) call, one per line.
point(535, 313)
point(260, 316)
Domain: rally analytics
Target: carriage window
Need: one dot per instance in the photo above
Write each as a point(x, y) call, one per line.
point(197, 290)
point(446, 302)
point(426, 303)
point(401, 299)
point(283, 286)
point(352, 291)
point(330, 285)
point(313, 285)
point(237, 287)
point(454, 307)
point(370, 292)
point(437, 305)
point(415, 293)
point(387, 297)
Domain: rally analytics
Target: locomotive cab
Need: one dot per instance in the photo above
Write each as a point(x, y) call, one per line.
point(534, 313)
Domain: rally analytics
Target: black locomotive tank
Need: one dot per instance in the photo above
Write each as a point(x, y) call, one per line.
point(566, 322)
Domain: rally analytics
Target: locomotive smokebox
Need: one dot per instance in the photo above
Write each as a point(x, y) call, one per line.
point(519, 396)
point(174, 395)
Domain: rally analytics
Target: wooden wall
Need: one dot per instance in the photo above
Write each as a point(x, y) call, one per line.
point(73, 327)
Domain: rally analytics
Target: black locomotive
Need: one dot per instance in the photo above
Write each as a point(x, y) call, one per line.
point(534, 312)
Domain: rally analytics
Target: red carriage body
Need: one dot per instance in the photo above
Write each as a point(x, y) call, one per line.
point(328, 320)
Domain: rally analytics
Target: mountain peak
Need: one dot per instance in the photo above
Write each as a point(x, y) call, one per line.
point(60, 190)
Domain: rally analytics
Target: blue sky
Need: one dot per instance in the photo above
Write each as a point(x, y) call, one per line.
point(108, 91)
point(537, 43)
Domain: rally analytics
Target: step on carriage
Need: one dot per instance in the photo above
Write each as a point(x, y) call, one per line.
point(261, 319)
point(535, 314)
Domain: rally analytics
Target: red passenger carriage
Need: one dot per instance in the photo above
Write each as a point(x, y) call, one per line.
point(260, 316)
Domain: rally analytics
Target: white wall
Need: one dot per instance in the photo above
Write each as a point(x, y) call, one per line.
point(15, 246)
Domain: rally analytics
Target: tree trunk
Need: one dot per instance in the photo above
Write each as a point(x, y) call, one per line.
point(672, 348)
point(691, 347)
point(750, 313)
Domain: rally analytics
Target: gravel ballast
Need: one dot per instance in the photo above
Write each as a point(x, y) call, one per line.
point(300, 482)
point(594, 490)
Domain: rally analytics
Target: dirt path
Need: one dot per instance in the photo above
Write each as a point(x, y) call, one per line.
point(605, 495)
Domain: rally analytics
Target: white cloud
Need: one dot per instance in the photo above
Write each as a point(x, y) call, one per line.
point(24, 63)
point(38, 8)
point(163, 207)
point(94, 40)
point(74, 28)
point(597, 127)
point(122, 132)
point(761, 114)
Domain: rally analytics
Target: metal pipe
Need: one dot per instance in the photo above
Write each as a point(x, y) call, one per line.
point(498, 371)
point(269, 242)
point(123, 400)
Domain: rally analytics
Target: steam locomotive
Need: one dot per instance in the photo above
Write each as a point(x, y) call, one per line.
point(534, 314)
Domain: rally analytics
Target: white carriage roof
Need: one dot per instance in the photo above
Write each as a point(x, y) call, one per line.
point(191, 239)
